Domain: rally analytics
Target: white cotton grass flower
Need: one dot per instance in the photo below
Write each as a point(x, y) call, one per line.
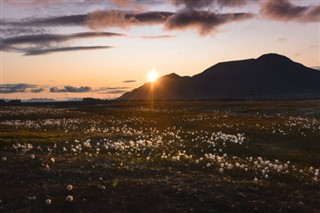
point(69, 198)
point(4, 159)
point(32, 156)
point(69, 187)
point(48, 201)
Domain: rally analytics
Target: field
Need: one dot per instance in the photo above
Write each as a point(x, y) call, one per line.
point(197, 156)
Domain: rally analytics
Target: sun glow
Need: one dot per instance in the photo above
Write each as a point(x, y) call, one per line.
point(153, 76)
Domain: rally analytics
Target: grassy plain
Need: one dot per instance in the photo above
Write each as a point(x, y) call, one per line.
point(196, 156)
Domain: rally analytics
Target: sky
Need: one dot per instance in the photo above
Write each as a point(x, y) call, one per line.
point(71, 49)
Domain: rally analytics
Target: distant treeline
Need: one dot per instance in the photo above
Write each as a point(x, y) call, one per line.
point(18, 101)
point(15, 101)
point(94, 100)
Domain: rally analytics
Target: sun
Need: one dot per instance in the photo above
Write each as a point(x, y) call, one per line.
point(153, 76)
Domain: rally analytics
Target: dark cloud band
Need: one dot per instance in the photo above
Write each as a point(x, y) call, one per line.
point(113, 18)
point(129, 81)
point(20, 88)
point(47, 38)
point(199, 4)
point(70, 89)
point(40, 44)
point(62, 49)
point(203, 21)
point(33, 88)
point(284, 10)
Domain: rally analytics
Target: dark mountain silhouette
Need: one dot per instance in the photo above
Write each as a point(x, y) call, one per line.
point(270, 76)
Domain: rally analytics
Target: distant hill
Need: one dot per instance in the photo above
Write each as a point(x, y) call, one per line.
point(270, 76)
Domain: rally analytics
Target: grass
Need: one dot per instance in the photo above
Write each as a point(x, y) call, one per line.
point(161, 156)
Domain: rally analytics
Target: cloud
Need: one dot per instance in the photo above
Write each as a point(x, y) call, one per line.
point(45, 2)
point(199, 4)
point(40, 44)
point(9, 31)
point(69, 20)
point(31, 52)
point(282, 40)
point(70, 89)
point(157, 36)
point(37, 90)
point(113, 18)
point(96, 19)
point(20, 88)
point(203, 21)
point(48, 38)
point(129, 81)
point(135, 3)
point(284, 10)
point(112, 90)
point(33, 88)
point(121, 3)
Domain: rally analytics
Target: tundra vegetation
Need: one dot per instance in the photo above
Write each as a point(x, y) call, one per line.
point(208, 156)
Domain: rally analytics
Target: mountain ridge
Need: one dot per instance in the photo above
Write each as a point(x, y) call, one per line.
point(270, 76)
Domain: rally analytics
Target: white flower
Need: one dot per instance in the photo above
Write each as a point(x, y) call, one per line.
point(69, 198)
point(48, 201)
point(69, 187)
point(4, 159)
point(32, 156)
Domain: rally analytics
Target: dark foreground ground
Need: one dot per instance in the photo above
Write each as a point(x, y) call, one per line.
point(161, 157)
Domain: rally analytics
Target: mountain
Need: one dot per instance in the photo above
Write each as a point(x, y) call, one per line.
point(270, 76)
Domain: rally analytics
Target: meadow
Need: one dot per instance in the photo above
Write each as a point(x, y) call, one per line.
point(178, 156)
